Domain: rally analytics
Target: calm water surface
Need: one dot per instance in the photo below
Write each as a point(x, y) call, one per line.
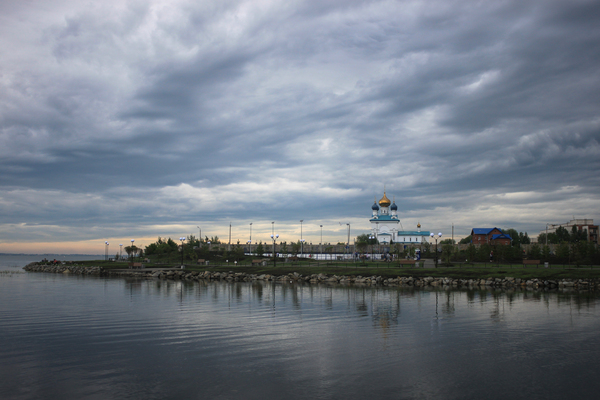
point(66, 336)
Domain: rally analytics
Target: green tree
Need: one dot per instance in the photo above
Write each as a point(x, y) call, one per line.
point(546, 253)
point(563, 252)
point(514, 235)
point(471, 252)
point(260, 250)
point(578, 235)
point(363, 241)
point(562, 235)
point(466, 240)
point(447, 249)
point(535, 252)
point(296, 248)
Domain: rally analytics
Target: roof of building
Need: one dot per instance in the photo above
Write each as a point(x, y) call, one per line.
point(483, 231)
point(413, 233)
point(387, 218)
point(384, 202)
point(501, 236)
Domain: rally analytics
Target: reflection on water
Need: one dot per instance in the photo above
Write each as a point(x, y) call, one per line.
point(88, 337)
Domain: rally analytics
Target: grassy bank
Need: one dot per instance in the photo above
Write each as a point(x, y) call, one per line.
point(306, 267)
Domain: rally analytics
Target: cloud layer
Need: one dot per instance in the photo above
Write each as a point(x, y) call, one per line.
point(148, 118)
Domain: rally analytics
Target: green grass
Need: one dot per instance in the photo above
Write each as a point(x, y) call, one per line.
point(309, 267)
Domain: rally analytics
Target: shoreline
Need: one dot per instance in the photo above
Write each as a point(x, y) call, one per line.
point(373, 280)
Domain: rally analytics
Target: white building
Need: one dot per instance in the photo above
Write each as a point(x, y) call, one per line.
point(385, 224)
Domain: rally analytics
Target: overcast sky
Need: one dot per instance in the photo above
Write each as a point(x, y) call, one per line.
point(139, 119)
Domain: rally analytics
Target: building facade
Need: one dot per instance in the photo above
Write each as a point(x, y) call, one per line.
point(491, 236)
point(387, 228)
point(584, 224)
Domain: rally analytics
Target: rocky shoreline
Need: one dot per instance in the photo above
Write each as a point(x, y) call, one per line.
point(506, 282)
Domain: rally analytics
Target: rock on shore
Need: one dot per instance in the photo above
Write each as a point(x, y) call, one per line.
point(506, 282)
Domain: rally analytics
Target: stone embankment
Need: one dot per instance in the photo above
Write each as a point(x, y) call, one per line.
point(507, 282)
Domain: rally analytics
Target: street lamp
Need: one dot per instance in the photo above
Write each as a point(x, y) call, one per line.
point(274, 237)
point(250, 241)
point(371, 237)
point(348, 245)
point(182, 240)
point(132, 240)
point(301, 241)
point(105, 251)
point(321, 243)
point(120, 251)
point(199, 234)
point(435, 260)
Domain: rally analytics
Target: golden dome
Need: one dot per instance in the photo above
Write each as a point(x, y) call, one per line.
point(418, 225)
point(384, 202)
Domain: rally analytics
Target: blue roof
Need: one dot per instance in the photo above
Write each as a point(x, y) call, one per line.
point(385, 218)
point(483, 231)
point(412, 233)
point(502, 236)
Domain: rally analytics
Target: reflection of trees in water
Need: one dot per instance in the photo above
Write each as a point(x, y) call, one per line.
point(381, 304)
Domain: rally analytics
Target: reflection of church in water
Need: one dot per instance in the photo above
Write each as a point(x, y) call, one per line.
point(385, 224)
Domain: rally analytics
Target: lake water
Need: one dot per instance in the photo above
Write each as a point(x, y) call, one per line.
point(64, 336)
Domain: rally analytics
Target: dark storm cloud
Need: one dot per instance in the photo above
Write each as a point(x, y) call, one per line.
point(154, 113)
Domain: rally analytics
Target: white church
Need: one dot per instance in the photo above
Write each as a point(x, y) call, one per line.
point(385, 224)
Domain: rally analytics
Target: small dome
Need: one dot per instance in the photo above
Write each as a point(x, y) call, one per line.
point(418, 225)
point(384, 202)
point(375, 207)
point(394, 207)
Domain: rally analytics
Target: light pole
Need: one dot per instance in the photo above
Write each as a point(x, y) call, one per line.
point(199, 235)
point(321, 243)
point(105, 251)
point(274, 237)
point(273, 228)
point(348, 245)
point(182, 240)
point(301, 241)
point(250, 241)
point(371, 237)
point(120, 251)
point(132, 240)
point(436, 248)
point(377, 236)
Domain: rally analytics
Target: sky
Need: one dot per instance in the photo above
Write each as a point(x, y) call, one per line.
point(126, 120)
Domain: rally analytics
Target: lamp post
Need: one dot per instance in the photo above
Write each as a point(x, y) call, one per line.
point(377, 237)
point(301, 241)
point(105, 251)
point(250, 240)
point(132, 240)
point(182, 240)
point(120, 251)
point(435, 260)
point(371, 237)
point(274, 237)
point(348, 244)
point(199, 235)
point(321, 243)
